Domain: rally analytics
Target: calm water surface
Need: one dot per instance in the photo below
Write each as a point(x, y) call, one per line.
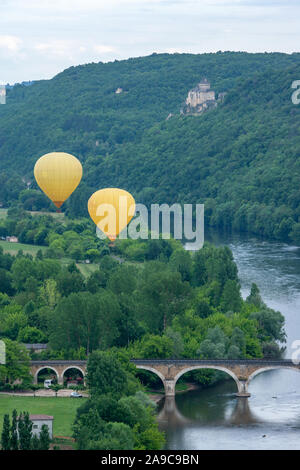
point(270, 418)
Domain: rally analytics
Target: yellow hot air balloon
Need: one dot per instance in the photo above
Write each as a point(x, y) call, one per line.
point(111, 209)
point(58, 174)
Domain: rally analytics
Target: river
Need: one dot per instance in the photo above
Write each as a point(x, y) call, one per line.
point(214, 418)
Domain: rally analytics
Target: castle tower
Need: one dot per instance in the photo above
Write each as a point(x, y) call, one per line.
point(204, 85)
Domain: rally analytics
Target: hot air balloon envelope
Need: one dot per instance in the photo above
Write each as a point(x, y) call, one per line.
point(58, 174)
point(111, 209)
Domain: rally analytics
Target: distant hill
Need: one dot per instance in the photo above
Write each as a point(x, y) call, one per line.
point(241, 159)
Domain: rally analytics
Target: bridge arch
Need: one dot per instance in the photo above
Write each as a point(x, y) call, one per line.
point(264, 369)
point(223, 369)
point(155, 371)
point(73, 367)
point(78, 368)
point(36, 375)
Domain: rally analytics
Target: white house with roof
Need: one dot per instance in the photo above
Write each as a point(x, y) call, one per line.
point(38, 421)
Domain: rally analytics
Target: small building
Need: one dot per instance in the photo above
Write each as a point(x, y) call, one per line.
point(36, 347)
point(12, 239)
point(38, 421)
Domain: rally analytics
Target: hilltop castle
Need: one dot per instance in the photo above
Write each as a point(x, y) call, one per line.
point(199, 99)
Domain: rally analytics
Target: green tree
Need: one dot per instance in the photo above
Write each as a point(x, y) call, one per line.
point(96, 281)
point(12, 321)
point(155, 346)
point(35, 443)
point(238, 339)
point(233, 352)
point(105, 375)
point(178, 344)
point(56, 388)
point(44, 438)
point(231, 299)
point(295, 233)
point(214, 346)
point(5, 435)
point(162, 295)
point(181, 261)
point(14, 443)
point(49, 294)
point(31, 334)
point(85, 320)
point(25, 431)
point(69, 282)
point(271, 325)
point(6, 282)
point(123, 282)
point(116, 436)
point(22, 269)
point(17, 363)
point(149, 439)
point(254, 297)
point(87, 424)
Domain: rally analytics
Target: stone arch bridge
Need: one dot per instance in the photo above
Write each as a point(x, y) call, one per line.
point(241, 370)
point(170, 370)
point(58, 367)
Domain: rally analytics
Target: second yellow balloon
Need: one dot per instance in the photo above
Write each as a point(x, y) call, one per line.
point(111, 209)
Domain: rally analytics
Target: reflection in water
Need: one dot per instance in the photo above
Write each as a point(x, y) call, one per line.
point(270, 419)
point(170, 416)
point(238, 413)
point(215, 419)
point(242, 413)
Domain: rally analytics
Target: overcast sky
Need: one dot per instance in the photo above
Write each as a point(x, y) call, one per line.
point(39, 38)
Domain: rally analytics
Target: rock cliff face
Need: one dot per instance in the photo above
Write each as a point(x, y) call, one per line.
point(199, 99)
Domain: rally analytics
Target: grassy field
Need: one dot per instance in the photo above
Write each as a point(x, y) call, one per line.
point(63, 410)
point(3, 213)
point(87, 269)
point(56, 215)
point(13, 248)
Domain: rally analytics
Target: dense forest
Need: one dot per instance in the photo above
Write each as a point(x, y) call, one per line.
point(147, 299)
point(240, 159)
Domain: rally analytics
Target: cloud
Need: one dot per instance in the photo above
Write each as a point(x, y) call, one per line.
point(101, 49)
point(59, 48)
point(68, 48)
point(55, 34)
point(10, 43)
